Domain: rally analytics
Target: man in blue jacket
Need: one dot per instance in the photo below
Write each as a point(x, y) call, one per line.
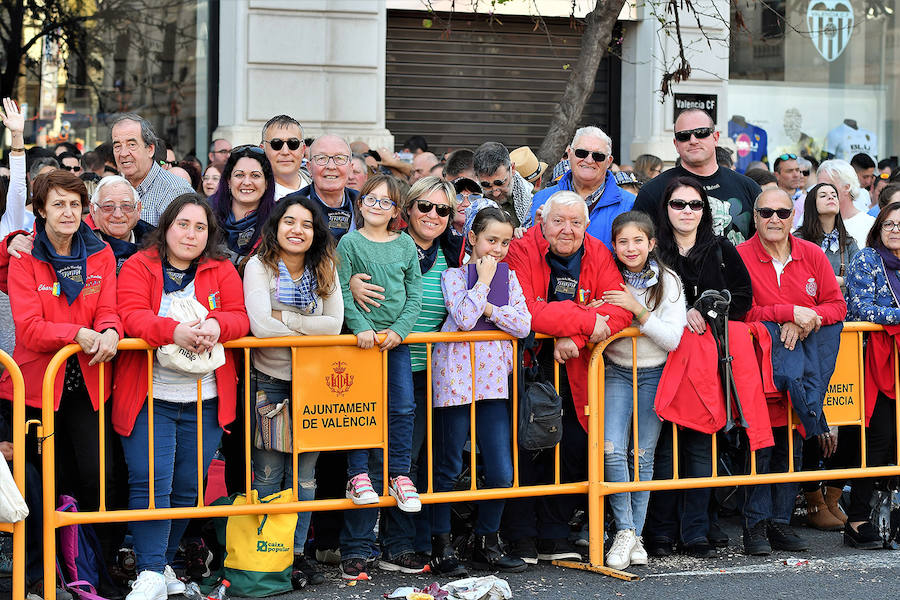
point(590, 155)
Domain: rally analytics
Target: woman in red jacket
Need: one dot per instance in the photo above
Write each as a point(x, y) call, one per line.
point(182, 260)
point(65, 292)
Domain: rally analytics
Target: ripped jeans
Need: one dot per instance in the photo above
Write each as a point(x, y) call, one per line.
point(273, 471)
point(629, 509)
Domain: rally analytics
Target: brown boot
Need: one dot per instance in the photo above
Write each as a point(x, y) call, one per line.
point(832, 495)
point(818, 515)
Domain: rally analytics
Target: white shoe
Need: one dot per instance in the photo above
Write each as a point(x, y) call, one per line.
point(174, 586)
point(619, 556)
point(149, 585)
point(638, 554)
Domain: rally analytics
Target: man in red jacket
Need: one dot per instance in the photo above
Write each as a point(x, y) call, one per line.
point(563, 274)
point(795, 287)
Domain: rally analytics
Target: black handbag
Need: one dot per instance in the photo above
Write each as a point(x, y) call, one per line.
point(540, 407)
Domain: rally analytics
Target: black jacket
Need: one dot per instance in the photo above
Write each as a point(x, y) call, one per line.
point(718, 268)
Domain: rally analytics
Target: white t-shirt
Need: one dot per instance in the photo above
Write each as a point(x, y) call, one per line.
point(858, 226)
point(844, 142)
point(282, 191)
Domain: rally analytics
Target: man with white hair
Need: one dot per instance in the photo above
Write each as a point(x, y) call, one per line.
point(329, 165)
point(589, 156)
point(563, 274)
point(116, 216)
point(843, 177)
point(731, 194)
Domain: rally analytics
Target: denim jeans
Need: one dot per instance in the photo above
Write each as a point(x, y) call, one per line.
point(674, 515)
point(273, 471)
point(773, 501)
point(630, 509)
point(175, 473)
point(494, 439)
point(401, 416)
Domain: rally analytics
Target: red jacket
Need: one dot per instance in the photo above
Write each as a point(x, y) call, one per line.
point(528, 258)
point(808, 280)
point(690, 389)
point(140, 294)
point(45, 323)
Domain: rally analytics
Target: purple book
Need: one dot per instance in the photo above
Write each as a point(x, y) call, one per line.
point(498, 295)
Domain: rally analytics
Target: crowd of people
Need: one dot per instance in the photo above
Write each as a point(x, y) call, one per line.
point(296, 236)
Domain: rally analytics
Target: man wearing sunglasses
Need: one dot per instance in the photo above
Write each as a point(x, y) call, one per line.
point(501, 183)
point(329, 163)
point(589, 156)
point(797, 299)
point(282, 139)
point(730, 194)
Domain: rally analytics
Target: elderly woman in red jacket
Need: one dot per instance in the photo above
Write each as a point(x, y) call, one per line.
point(65, 292)
point(182, 261)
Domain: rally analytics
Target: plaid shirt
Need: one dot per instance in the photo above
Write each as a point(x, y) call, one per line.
point(157, 190)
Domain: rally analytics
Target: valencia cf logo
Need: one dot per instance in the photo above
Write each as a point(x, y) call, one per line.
point(811, 286)
point(340, 380)
point(830, 26)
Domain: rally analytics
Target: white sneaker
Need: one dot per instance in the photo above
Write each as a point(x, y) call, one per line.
point(174, 586)
point(404, 492)
point(360, 490)
point(619, 556)
point(149, 585)
point(638, 554)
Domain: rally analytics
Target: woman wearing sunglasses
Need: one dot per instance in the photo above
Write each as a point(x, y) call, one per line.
point(704, 261)
point(243, 201)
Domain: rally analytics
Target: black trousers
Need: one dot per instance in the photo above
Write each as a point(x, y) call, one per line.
point(881, 440)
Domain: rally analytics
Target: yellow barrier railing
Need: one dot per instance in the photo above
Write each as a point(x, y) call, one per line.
point(18, 429)
point(599, 489)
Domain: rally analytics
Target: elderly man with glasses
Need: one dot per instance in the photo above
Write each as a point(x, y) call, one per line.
point(329, 164)
point(730, 194)
point(116, 217)
point(589, 156)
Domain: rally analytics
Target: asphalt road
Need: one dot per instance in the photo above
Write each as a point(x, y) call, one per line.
point(833, 571)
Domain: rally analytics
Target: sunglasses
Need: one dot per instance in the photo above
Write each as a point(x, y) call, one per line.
point(170, 163)
point(463, 198)
point(442, 210)
point(805, 173)
point(701, 133)
point(382, 203)
point(74, 169)
point(582, 153)
point(695, 205)
point(277, 144)
point(250, 147)
point(788, 157)
point(766, 213)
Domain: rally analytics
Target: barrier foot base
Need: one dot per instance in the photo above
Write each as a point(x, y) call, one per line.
point(583, 566)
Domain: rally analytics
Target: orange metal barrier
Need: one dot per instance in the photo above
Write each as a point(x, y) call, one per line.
point(18, 428)
point(341, 349)
point(848, 375)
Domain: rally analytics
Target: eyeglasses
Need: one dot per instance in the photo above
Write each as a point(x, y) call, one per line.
point(74, 169)
point(442, 210)
point(701, 133)
point(695, 205)
point(582, 153)
point(222, 151)
point(766, 213)
point(486, 185)
point(110, 208)
point(468, 198)
point(248, 147)
point(339, 159)
point(890, 226)
point(277, 144)
point(382, 203)
point(788, 157)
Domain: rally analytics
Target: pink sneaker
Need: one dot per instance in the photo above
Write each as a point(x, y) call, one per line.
point(360, 490)
point(403, 490)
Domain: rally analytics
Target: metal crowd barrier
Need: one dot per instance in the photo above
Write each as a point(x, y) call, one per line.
point(18, 428)
point(303, 349)
point(850, 359)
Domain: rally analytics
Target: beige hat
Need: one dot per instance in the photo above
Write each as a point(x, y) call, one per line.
point(527, 164)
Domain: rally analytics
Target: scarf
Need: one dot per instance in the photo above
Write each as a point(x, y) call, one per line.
point(175, 280)
point(71, 270)
point(891, 265)
point(300, 293)
point(521, 194)
point(831, 242)
point(240, 235)
point(645, 279)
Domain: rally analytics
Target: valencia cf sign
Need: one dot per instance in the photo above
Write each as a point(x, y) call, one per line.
point(830, 26)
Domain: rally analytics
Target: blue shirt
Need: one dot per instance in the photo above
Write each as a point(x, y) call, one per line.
point(340, 219)
point(752, 144)
point(613, 202)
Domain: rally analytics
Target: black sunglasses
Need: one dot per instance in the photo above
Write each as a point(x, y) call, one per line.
point(766, 213)
point(74, 169)
point(250, 147)
point(277, 144)
point(696, 205)
point(701, 133)
point(442, 210)
point(582, 153)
